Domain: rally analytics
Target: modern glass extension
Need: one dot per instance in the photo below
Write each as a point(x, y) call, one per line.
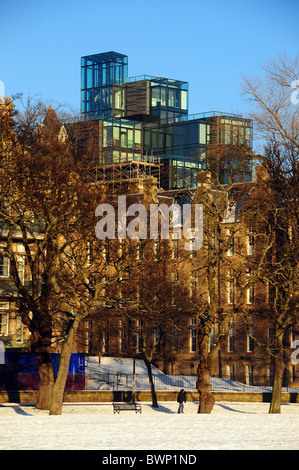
point(168, 98)
point(102, 79)
point(148, 116)
point(122, 140)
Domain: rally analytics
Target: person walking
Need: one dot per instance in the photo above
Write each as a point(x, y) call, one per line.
point(181, 400)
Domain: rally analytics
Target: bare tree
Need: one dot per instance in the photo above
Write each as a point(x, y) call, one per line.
point(46, 197)
point(276, 117)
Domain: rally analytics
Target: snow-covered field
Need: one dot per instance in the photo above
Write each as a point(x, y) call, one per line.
point(231, 425)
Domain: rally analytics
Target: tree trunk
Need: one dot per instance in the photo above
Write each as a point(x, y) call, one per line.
point(203, 385)
point(151, 381)
point(45, 379)
point(279, 367)
point(204, 372)
point(59, 385)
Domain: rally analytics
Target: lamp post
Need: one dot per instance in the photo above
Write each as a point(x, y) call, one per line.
point(134, 379)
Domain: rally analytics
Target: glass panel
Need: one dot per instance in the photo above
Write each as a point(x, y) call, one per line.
point(171, 97)
point(104, 74)
point(184, 103)
point(193, 133)
point(123, 157)
point(115, 156)
point(88, 83)
point(227, 136)
point(124, 141)
point(177, 136)
point(155, 96)
point(108, 157)
point(168, 140)
point(161, 141)
point(202, 133)
point(96, 76)
point(138, 137)
point(115, 135)
point(163, 96)
point(185, 135)
point(118, 99)
point(154, 140)
point(130, 138)
point(107, 136)
point(177, 99)
point(147, 139)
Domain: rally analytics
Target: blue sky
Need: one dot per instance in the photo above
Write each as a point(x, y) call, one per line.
point(210, 44)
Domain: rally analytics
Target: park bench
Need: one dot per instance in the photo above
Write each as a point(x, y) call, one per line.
point(117, 407)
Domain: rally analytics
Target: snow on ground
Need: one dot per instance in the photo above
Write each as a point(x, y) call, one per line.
point(114, 373)
point(231, 425)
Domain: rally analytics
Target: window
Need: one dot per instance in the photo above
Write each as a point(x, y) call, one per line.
point(231, 337)
point(250, 243)
point(175, 248)
point(231, 244)
point(250, 289)
point(212, 338)
point(4, 316)
point(249, 375)
point(4, 266)
point(155, 96)
point(250, 295)
point(21, 268)
point(193, 251)
point(3, 323)
point(19, 330)
point(231, 372)
point(88, 337)
point(192, 340)
point(230, 288)
point(184, 100)
point(250, 340)
point(193, 292)
point(105, 342)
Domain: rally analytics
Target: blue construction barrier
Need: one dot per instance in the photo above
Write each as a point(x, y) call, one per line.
point(20, 371)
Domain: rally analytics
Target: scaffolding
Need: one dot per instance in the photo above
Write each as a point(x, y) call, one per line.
point(140, 167)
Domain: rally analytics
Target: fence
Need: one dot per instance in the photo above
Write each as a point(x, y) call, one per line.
point(118, 381)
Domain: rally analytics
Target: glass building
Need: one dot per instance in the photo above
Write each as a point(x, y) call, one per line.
point(166, 98)
point(148, 116)
point(102, 79)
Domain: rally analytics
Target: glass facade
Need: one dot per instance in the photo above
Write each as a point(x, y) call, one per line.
point(122, 140)
point(169, 98)
point(148, 116)
point(102, 77)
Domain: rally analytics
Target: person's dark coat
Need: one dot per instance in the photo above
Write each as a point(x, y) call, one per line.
point(182, 396)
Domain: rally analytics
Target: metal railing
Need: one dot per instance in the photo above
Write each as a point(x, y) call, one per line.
point(118, 381)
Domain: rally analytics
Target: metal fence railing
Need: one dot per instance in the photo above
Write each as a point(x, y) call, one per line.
point(118, 381)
